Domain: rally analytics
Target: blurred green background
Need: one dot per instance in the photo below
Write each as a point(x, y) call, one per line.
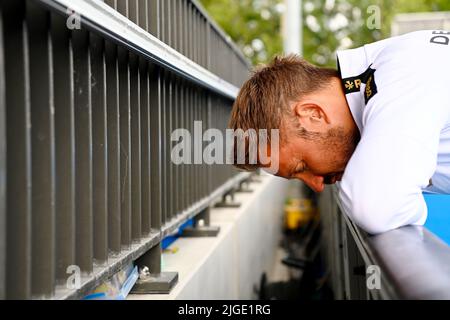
point(255, 25)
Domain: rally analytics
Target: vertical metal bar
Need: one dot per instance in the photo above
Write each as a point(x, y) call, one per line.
point(167, 164)
point(154, 18)
point(185, 35)
point(200, 118)
point(173, 24)
point(18, 157)
point(193, 31)
point(142, 14)
point(112, 3)
point(163, 173)
point(205, 127)
point(202, 40)
point(213, 50)
point(135, 147)
point(222, 57)
point(180, 25)
point(190, 31)
point(125, 146)
point(218, 54)
point(83, 151)
point(168, 21)
point(122, 7)
point(210, 125)
point(156, 145)
point(192, 165)
point(201, 24)
point(133, 10)
point(185, 117)
point(113, 131)
point(65, 146)
point(177, 125)
point(205, 26)
point(162, 20)
point(206, 124)
point(201, 36)
point(197, 109)
point(169, 111)
point(145, 149)
point(2, 165)
point(43, 153)
point(175, 178)
point(197, 35)
point(187, 126)
point(185, 121)
point(100, 147)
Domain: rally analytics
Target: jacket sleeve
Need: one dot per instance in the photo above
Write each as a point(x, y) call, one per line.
point(382, 185)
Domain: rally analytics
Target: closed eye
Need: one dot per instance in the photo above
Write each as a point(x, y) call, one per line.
point(299, 169)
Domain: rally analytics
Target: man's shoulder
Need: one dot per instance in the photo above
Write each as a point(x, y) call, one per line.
point(421, 48)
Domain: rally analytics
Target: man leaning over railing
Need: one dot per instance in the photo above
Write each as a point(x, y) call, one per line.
point(379, 125)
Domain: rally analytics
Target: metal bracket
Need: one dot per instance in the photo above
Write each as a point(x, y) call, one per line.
point(161, 283)
point(200, 231)
point(202, 227)
point(255, 178)
point(155, 281)
point(243, 187)
point(226, 203)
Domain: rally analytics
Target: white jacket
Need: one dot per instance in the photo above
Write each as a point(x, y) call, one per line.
point(398, 91)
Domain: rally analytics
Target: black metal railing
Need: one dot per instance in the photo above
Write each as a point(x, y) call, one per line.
point(85, 122)
point(405, 263)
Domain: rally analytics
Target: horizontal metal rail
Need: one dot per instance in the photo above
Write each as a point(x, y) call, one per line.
point(224, 36)
point(99, 17)
point(413, 262)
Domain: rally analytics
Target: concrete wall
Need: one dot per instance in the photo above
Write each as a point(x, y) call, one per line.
point(230, 265)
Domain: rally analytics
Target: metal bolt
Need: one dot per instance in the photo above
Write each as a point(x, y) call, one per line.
point(144, 273)
point(201, 223)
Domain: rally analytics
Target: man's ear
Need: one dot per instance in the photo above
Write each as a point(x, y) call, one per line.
point(310, 115)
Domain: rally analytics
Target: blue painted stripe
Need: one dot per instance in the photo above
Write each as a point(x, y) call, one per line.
point(438, 220)
point(167, 241)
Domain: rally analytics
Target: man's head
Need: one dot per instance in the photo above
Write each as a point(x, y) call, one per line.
point(307, 104)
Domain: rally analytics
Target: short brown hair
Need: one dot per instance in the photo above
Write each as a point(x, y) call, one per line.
point(268, 93)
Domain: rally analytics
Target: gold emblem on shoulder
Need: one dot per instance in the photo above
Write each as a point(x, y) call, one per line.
point(368, 87)
point(349, 85)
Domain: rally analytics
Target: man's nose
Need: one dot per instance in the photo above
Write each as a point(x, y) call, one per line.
point(314, 182)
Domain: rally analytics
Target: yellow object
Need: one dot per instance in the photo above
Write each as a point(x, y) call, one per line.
point(298, 212)
point(171, 250)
